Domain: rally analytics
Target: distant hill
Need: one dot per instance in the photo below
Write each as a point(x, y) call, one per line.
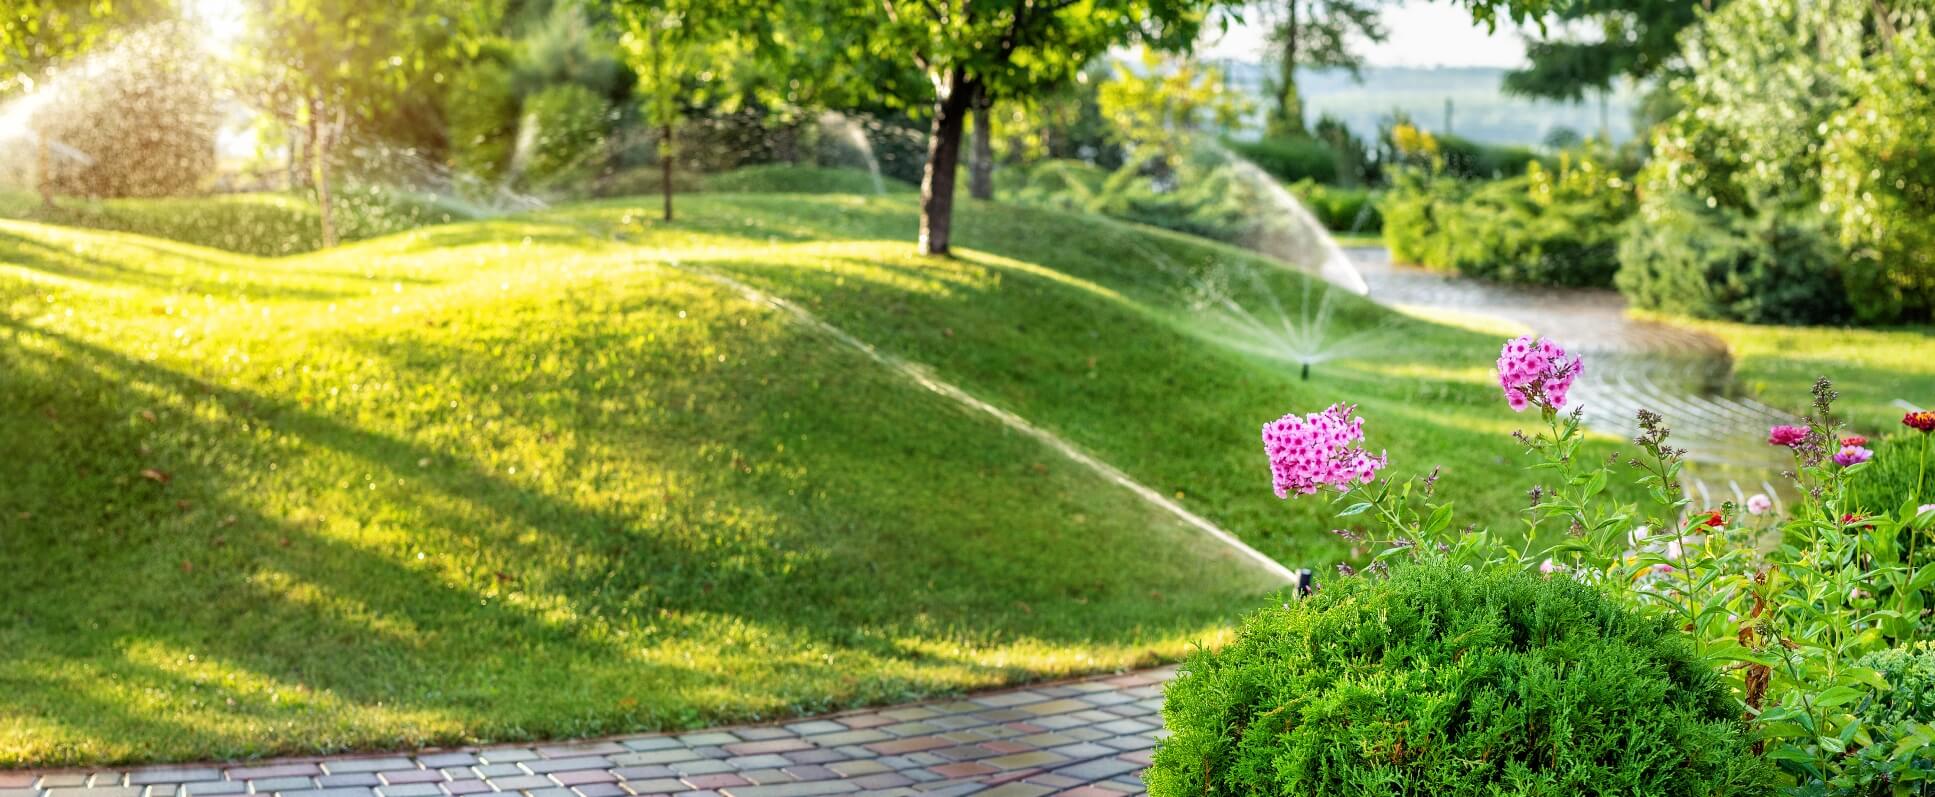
point(1480, 111)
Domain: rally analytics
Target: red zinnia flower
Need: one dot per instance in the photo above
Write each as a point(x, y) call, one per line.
point(1923, 421)
point(1855, 518)
point(1854, 440)
point(1710, 518)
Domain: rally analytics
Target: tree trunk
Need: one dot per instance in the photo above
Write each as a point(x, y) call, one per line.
point(943, 158)
point(319, 139)
point(981, 160)
point(1289, 121)
point(665, 166)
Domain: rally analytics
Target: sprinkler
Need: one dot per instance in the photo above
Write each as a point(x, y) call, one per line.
point(1306, 372)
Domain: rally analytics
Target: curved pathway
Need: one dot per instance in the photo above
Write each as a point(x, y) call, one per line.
point(1685, 376)
point(1084, 737)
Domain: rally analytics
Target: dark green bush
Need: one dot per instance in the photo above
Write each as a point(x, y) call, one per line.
point(1290, 159)
point(1471, 160)
point(1439, 681)
point(1544, 228)
point(1338, 208)
point(569, 123)
point(1777, 268)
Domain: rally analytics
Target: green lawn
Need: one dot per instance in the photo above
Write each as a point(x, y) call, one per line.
point(1871, 368)
point(535, 477)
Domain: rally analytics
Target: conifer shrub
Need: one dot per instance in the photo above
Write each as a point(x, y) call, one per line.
point(1442, 681)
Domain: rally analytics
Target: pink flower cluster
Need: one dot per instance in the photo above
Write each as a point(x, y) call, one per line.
point(1317, 450)
point(1536, 372)
point(1786, 435)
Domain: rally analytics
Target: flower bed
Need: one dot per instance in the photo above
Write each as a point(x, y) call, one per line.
point(1441, 670)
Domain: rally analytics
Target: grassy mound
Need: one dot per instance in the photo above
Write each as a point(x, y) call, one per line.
point(257, 224)
point(503, 480)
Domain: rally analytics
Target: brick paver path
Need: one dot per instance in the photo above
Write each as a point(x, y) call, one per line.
point(1089, 737)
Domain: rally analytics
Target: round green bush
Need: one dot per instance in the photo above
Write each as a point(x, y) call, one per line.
point(1440, 681)
point(1777, 268)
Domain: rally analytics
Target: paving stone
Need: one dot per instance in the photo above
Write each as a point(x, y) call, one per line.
point(766, 761)
point(709, 738)
point(143, 777)
point(766, 776)
point(401, 777)
point(269, 785)
point(498, 770)
point(815, 726)
point(509, 755)
point(215, 787)
point(1097, 770)
point(1066, 705)
point(411, 790)
point(657, 786)
point(926, 759)
point(351, 779)
point(862, 721)
point(1006, 746)
point(956, 722)
point(17, 780)
point(702, 766)
point(601, 790)
point(645, 743)
point(811, 772)
point(711, 751)
point(338, 766)
point(521, 782)
point(653, 757)
point(1082, 750)
point(1060, 722)
point(555, 791)
point(794, 789)
point(1016, 789)
point(447, 760)
point(1108, 698)
point(920, 728)
point(1128, 742)
point(1053, 781)
point(1005, 699)
point(909, 713)
point(579, 749)
point(849, 737)
point(718, 781)
point(1087, 734)
point(646, 772)
point(97, 791)
point(962, 769)
point(878, 781)
point(1125, 727)
point(580, 777)
point(813, 756)
point(545, 766)
point(1038, 758)
point(769, 746)
point(162, 790)
point(915, 745)
point(966, 752)
point(349, 791)
point(848, 769)
point(920, 775)
point(761, 734)
point(462, 787)
point(855, 751)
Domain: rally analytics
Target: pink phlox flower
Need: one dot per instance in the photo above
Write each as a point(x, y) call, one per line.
point(1319, 450)
point(1536, 372)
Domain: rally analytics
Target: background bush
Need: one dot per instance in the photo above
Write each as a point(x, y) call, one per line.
point(1690, 260)
point(1290, 159)
point(1878, 175)
point(1889, 481)
point(483, 115)
point(1441, 681)
point(1340, 208)
point(1546, 228)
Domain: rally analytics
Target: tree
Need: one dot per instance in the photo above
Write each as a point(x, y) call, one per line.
point(319, 64)
point(35, 34)
point(1637, 39)
point(1316, 34)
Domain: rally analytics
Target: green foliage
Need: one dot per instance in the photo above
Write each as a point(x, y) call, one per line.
point(482, 113)
point(37, 33)
point(1548, 228)
point(1718, 263)
point(1630, 38)
point(1341, 209)
point(1471, 160)
point(1774, 76)
point(566, 127)
point(1290, 159)
point(1901, 714)
point(1878, 176)
point(1444, 681)
point(782, 178)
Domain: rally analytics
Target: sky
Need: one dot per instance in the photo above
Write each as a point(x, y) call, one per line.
point(1421, 34)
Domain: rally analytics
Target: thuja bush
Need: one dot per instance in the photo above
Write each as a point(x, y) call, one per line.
point(1441, 680)
point(1909, 702)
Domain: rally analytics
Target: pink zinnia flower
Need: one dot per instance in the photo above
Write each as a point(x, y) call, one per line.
point(1786, 435)
point(1852, 455)
point(1759, 504)
point(1318, 450)
point(1536, 372)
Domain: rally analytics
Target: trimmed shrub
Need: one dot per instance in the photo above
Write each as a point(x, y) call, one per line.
point(1340, 209)
point(1441, 681)
point(1777, 268)
point(1290, 159)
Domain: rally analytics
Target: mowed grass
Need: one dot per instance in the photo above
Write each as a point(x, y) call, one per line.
point(504, 480)
point(1872, 369)
point(541, 477)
